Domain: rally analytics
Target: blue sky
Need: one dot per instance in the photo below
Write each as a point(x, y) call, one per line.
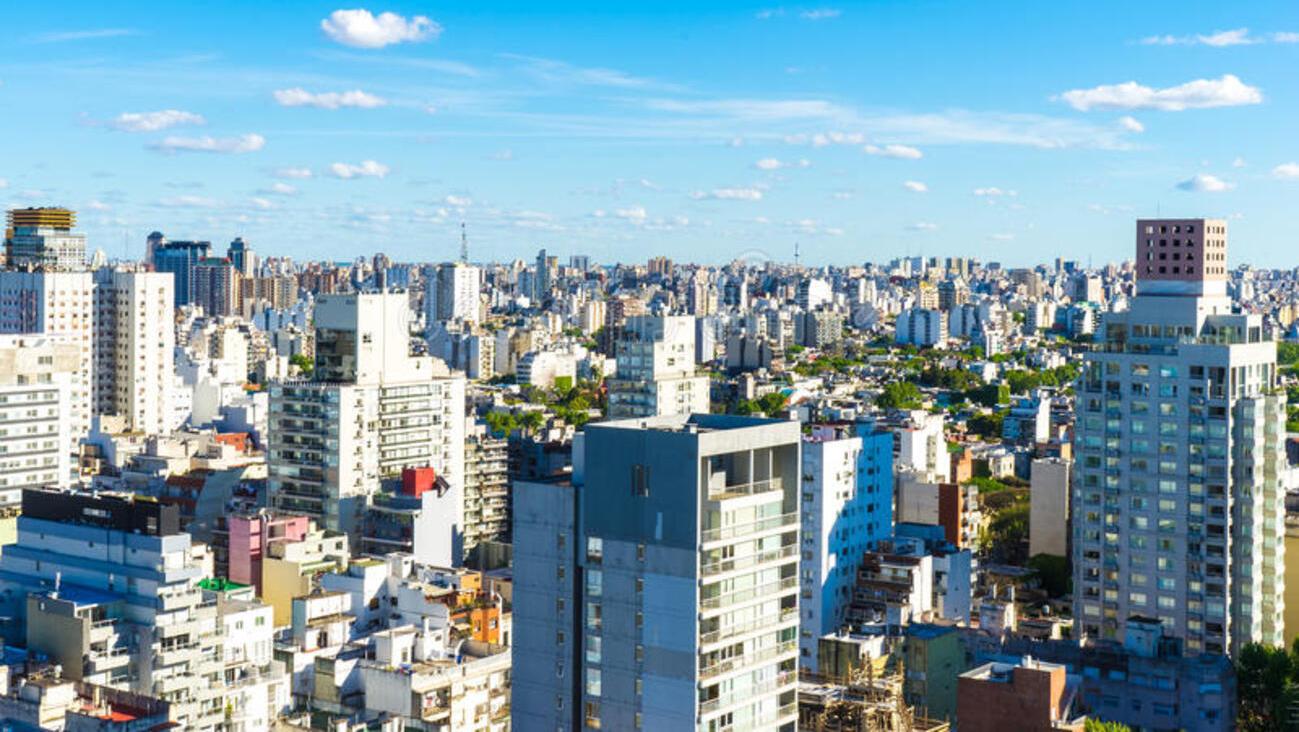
point(1015, 132)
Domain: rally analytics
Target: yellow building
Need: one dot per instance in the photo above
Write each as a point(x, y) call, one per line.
point(290, 569)
point(1291, 615)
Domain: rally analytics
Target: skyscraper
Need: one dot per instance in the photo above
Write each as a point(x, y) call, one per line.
point(37, 376)
point(242, 256)
point(371, 410)
point(215, 286)
point(179, 258)
point(658, 588)
point(43, 237)
point(1177, 504)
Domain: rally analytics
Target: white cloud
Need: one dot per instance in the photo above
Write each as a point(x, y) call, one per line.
point(1205, 183)
point(4, 183)
point(189, 202)
point(1285, 37)
point(296, 173)
point(923, 226)
point(561, 72)
point(280, 188)
point(843, 195)
point(751, 109)
point(1131, 124)
point(363, 29)
point(635, 214)
point(155, 121)
point(299, 97)
point(994, 192)
point(1217, 39)
point(503, 155)
point(775, 164)
point(729, 194)
point(915, 186)
point(97, 205)
point(251, 142)
point(820, 14)
point(261, 203)
point(367, 169)
point(82, 35)
point(1001, 237)
point(769, 13)
point(1286, 171)
point(458, 201)
point(1228, 91)
point(904, 152)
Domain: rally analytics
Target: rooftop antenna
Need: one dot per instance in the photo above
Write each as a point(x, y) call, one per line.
point(795, 254)
point(464, 244)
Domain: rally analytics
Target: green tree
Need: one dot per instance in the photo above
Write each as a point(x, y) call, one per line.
point(899, 395)
point(987, 426)
point(305, 364)
point(771, 403)
point(1096, 725)
point(1287, 353)
point(1054, 573)
point(1265, 682)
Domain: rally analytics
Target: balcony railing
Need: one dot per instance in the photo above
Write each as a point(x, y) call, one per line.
point(744, 595)
point(751, 560)
point(753, 527)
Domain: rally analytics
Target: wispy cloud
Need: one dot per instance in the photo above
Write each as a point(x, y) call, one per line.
point(83, 35)
point(155, 121)
point(904, 152)
point(994, 192)
point(1220, 39)
point(189, 202)
point(299, 97)
point(562, 72)
point(1131, 124)
point(1205, 183)
point(366, 169)
point(1228, 91)
point(729, 194)
point(915, 186)
point(251, 142)
point(363, 29)
point(296, 173)
point(923, 226)
point(777, 164)
point(820, 14)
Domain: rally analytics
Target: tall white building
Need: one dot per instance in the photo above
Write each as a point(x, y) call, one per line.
point(56, 303)
point(1178, 500)
point(371, 410)
point(846, 507)
point(1048, 506)
point(921, 327)
point(656, 369)
point(135, 336)
point(452, 294)
point(38, 374)
point(658, 589)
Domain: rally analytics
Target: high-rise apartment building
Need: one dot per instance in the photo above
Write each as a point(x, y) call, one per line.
point(847, 506)
point(37, 378)
point(56, 303)
point(108, 587)
point(241, 255)
point(43, 238)
point(134, 348)
point(371, 410)
point(452, 294)
point(1177, 498)
point(179, 258)
point(215, 286)
point(657, 588)
point(656, 369)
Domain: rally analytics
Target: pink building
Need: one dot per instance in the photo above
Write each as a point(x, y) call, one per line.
point(251, 536)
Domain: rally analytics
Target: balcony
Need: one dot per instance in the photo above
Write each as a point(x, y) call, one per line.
point(747, 659)
point(722, 566)
point(770, 589)
point(784, 678)
point(770, 622)
point(725, 533)
point(743, 490)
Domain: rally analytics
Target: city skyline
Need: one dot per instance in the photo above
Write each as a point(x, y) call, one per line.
point(860, 132)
